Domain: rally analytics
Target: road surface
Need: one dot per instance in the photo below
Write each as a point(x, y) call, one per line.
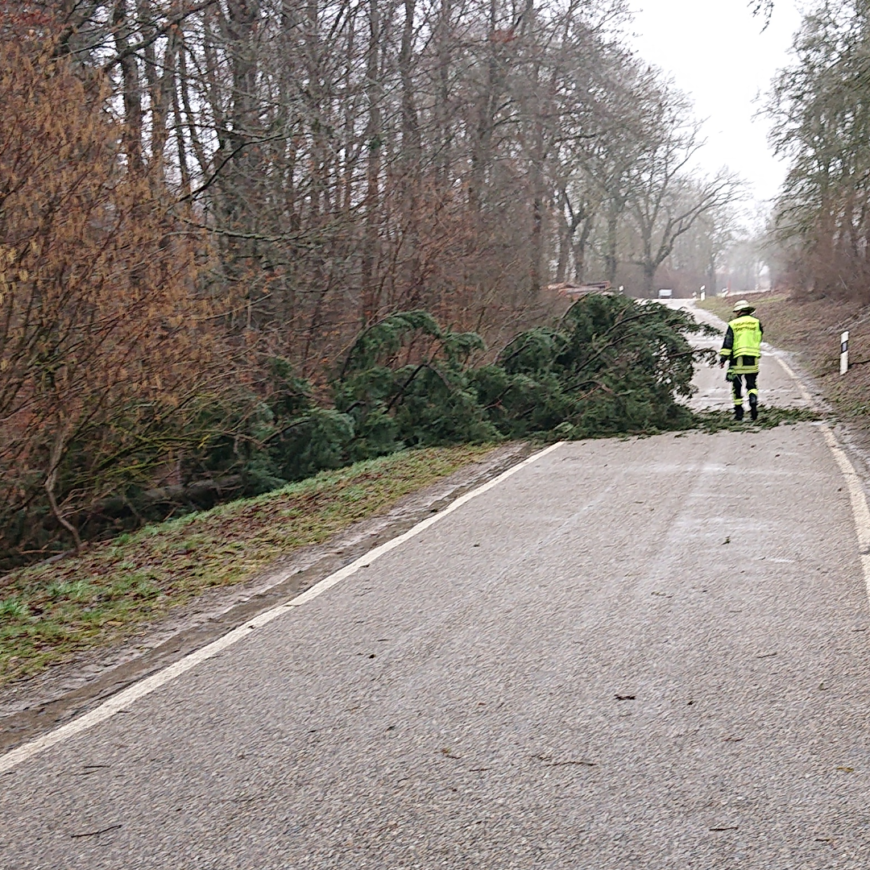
point(641, 653)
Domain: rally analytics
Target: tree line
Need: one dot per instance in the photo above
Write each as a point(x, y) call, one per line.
point(821, 114)
point(205, 204)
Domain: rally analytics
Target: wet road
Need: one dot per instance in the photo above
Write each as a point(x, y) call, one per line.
point(641, 653)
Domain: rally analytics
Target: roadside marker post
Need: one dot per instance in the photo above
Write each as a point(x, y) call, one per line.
point(844, 353)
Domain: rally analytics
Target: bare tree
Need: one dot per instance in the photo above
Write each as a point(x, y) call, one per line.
point(667, 200)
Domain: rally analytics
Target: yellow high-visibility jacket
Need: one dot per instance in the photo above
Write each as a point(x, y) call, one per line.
point(742, 345)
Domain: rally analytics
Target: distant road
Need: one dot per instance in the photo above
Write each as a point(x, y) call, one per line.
point(642, 653)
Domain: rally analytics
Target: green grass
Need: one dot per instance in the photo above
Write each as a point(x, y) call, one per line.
point(50, 612)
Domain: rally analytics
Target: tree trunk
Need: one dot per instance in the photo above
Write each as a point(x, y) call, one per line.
point(160, 77)
point(580, 243)
point(443, 122)
point(611, 258)
point(410, 162)
point(710, 289)
point(131, 89)
point(564, 239)
point(649, 276)
point(536, 173)
point(481, 155)
point(373, 170)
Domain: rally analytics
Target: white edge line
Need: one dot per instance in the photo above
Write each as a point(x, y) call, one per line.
point(805, 394)
point(860, 510)
point(857, 497)
point(120, 702)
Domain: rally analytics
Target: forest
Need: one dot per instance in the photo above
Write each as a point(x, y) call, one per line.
point(820, 105)
point(245, 240)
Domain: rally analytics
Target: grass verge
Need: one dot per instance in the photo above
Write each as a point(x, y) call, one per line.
point(50, 612)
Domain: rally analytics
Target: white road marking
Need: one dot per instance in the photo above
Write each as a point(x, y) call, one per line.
point(857, 497)
point(805, 394)
point(126, 697)
point(860, 511)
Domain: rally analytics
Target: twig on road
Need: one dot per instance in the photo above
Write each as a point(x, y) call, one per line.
point(548, 762)
point(96, 833)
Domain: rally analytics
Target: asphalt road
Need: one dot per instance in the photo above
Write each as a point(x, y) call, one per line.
point(643, 653)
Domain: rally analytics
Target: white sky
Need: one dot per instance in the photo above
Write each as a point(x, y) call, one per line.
point(715, 52)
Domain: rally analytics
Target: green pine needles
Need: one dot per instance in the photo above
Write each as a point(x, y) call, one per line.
point(611, 366)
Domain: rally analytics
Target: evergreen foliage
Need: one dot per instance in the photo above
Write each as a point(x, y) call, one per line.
point(405, 382)
point(610, 366)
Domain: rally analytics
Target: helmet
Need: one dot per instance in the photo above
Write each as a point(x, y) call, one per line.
point(743, 305)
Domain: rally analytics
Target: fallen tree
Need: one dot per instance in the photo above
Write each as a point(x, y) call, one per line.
point(610, 366)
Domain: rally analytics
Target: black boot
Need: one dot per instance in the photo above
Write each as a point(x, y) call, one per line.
point(753, 407)
point(738, 412)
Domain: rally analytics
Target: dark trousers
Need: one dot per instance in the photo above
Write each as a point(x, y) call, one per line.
point(751, 388)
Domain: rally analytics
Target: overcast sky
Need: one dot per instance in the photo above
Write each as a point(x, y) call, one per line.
point(716, 52)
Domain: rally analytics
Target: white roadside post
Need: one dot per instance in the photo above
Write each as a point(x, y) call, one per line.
point(703, 294)
point(844, 353)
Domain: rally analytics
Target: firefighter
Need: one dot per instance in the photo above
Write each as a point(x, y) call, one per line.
point(742, 350)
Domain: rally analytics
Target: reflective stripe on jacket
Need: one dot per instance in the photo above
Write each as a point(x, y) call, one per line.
point(742, 344)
